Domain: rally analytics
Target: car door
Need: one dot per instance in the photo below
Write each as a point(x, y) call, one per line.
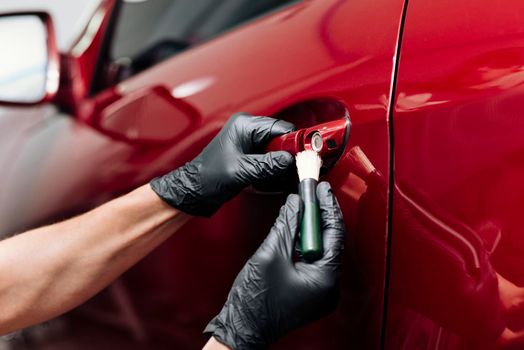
point(456, 271)
point(309, 62)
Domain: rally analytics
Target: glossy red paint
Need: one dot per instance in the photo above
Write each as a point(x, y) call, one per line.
point(151, 124)
point(81, 61)
point(333, 138)
point(308, 63)
point(457, 247)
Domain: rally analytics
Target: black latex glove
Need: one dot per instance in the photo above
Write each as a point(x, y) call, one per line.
point(226, 166)
point(272, 295)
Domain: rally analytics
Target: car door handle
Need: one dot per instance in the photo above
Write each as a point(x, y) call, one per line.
point(328, 139)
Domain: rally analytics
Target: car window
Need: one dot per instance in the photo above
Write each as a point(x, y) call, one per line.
point(148, 32)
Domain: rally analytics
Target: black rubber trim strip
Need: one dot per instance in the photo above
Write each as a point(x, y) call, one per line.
point(102, 57)
point(391, 185)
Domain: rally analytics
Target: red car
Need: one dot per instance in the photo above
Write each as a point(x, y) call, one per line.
point(431, 181)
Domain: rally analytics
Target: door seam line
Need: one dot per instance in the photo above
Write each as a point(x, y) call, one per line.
point(389, 225)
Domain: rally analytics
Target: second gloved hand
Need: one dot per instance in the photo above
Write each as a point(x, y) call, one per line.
point(273, 295)
point(227, 165)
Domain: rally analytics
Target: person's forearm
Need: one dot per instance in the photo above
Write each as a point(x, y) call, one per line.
point(214, 344)
point(50, 270)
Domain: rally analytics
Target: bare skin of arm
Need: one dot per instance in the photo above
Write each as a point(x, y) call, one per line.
point(214, 344)
point(50, 270)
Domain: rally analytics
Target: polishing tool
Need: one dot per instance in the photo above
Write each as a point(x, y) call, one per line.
point(327, 139)
point(308, 167)
point(317, 149)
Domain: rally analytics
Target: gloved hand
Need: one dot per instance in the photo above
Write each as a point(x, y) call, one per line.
point(226, 166)
point(272, 295)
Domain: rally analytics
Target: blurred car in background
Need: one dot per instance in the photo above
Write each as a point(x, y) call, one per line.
point(429, 182)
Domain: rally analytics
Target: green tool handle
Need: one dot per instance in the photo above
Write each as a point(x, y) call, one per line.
point(310, 235)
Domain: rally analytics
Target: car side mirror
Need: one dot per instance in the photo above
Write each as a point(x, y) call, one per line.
point(29, 63)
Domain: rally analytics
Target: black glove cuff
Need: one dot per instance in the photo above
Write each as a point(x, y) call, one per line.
point(179, 189)
point(216, 330)
point(231, 338)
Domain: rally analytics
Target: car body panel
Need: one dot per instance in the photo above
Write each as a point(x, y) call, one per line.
point(456, 252)
point(336, 52)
